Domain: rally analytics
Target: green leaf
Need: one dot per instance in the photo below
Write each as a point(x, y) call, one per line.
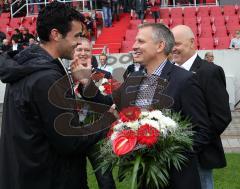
point(135, 171)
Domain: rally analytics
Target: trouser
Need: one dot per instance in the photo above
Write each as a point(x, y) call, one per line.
point(105, 181)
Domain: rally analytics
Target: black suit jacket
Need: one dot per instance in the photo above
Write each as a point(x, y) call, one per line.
point(181, 87)
point(212, 81)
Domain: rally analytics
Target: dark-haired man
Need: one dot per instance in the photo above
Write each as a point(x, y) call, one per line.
point(38, 148)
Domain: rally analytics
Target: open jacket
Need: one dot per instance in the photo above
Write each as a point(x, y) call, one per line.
point(39, 146)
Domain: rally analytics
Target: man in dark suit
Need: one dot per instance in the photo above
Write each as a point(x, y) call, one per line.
point(212, 81)
point(132, 68)
point(181, 93)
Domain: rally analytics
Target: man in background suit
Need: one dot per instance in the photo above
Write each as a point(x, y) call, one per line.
point(181, 93)
point(212, 81)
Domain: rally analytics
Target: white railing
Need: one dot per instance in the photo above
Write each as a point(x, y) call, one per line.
point(27, 5)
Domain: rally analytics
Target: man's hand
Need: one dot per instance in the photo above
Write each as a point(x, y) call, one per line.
point(114, 111)
point(81, 68)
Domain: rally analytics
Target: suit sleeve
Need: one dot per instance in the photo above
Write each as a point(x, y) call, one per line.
point(51, 107)
point(194, 105)
point(217, 100)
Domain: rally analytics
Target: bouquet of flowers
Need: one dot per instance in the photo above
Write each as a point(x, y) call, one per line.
point(146, 144)
point(106, 86)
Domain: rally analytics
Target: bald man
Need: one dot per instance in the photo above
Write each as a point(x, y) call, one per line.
point(212, 81)
point(209, 57)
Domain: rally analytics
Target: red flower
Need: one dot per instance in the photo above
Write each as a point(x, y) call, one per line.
point(107, 88)
point(147, 135)
point(130, 114)
point(124, 142)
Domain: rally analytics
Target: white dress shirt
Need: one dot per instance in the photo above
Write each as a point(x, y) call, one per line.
point(188, 64)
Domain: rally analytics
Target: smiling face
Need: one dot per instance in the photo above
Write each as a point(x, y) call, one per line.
point(84, 50)
point(67, 44)
point(145, 48)
point(184, 44)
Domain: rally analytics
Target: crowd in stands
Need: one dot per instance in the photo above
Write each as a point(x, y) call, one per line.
point(207, 28)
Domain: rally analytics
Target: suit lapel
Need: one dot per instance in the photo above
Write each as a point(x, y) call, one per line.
point(160, 100)
point(196, 64)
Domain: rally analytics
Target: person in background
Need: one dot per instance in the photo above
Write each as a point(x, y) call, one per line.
point(16, 46)
point(116, 9)
point(213, 84)
point(103, 66)
point(105, 181)
point(209, 57)
point(140, 8)
point(155, 9)
point(235, 42)
point(5, 46)
point(107, 12)
point(26, 36)
point(18, 35)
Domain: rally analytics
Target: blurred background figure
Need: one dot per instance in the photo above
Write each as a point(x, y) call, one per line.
point(5, 46)
point(107, 12)
point(235, 42)
point(32, 41)
point(16, 46)
point(209, 57)
point(26, 36)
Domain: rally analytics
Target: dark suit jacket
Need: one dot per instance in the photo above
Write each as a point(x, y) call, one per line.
point(213, 83)
point(140, 6)
point(182, 87)
point(130, 69)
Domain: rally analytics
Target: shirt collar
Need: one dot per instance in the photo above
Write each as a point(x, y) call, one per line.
point(158, 71)
point(188, 64)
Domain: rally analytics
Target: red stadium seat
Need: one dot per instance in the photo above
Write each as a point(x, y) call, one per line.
point(127, 46)
point(204, 21)
point(230, 10)
point(203, 11)
point(206, 43)
point(216, 11)
point(191, 22)
point(176, 21)
point(130, 35)
point(232, 20)
point(165, 21)
point(205, 32)
point(164, 13)
point(220, 31)
point(176, 13)
point(222, 42)
point(218, 21)
point(189, 12)
point(232, 30)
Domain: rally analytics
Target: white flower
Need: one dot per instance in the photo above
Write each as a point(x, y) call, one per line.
point(104, 80)
point(119, 126)
point(156, 114)
point(114, 135)
point(101, 88)
point(133, 125)
point(152, 123)
point(144, 113)
point(168, 123)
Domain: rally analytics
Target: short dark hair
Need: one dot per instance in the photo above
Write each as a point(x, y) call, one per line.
point(56, 15)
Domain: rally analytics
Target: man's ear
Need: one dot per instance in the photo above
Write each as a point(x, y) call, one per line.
point(192, 43)
point(55, 35)
point(161, 46)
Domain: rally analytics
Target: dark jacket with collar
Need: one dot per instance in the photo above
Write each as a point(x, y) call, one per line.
point(181, 93)
point(212, 81)
point(34, 153)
